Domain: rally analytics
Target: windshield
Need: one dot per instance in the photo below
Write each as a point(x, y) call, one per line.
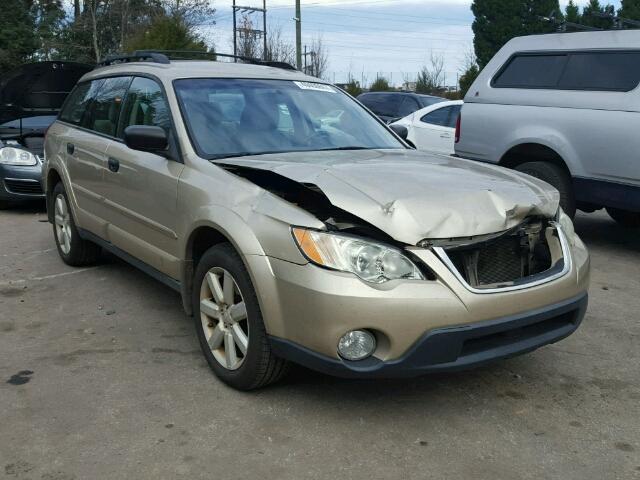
point(235, 117)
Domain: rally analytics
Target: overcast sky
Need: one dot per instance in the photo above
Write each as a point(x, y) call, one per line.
point(392, 37)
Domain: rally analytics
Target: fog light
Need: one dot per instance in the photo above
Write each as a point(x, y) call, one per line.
point(356, 345)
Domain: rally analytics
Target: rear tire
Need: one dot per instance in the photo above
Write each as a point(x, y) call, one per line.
point(624, 217)
point(73, 250)
point(557, 178)
point(229, 323)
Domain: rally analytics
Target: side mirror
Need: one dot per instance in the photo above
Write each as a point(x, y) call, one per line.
point(146, 138)
point(400, 130)
point(403, 133)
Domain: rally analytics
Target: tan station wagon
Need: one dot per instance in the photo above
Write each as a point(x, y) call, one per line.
point(295, 234)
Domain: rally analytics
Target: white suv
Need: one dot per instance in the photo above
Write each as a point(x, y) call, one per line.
point(564, 108)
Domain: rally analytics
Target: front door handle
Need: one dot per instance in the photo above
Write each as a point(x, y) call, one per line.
point(114, 164)
point(71, 148)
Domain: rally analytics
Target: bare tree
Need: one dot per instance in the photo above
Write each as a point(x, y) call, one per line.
point(278, 49)
point(248, 41)
point(319, 59)
point(431, 78)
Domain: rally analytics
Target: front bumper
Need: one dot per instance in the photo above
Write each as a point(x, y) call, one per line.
point(20, 183)
point(454, 348)
point(306, 309)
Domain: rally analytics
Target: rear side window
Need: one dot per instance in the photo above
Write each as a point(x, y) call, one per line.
point(146, 105)
point(444, 117)
point(602, 71)
point(382, 104)
point(105, 109)
point(531, 71)
point(75, 109)
point(409, 105)
point(598, 71)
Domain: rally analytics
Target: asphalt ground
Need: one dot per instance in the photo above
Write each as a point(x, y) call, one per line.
point(101, 377)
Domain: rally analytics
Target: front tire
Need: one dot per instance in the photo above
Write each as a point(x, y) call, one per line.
point(73, 250)
point(624, 217)
point(557, 178)
point(229, 322)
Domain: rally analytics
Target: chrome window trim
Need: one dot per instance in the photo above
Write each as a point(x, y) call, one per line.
point(566, 255)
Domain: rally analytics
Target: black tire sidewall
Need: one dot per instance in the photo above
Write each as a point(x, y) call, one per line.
point(225, 257)
point(557, 178)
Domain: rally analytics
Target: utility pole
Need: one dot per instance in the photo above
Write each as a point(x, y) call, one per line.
point(298, 35)
point(250, 32)
point(235, 32)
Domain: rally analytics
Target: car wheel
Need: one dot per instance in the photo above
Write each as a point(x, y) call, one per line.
point(4, 205)
point(557, 178)
point(229, 323)
point(73, 250)
point(624, 217)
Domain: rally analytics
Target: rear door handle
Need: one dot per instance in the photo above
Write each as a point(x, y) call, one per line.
point(114, 164)
point(445, 135)
point(71, 148)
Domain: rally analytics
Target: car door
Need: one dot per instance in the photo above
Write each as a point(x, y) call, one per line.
point(84, 154)
point(435, 130)
point(141, 187)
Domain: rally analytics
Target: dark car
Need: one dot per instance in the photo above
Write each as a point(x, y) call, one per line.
point(392, 106)
point(30, 98)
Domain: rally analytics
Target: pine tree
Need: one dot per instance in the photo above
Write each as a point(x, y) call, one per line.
point(498, 21)
point(18, 40)
point(630, 9)
point(594, 7)
point(572, 13)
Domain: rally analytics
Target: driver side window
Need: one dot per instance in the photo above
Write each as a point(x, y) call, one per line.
point(145, 105)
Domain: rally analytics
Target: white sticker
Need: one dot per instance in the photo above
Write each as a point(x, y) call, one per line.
point(320, 87)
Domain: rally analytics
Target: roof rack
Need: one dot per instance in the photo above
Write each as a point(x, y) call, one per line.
point(165, 57)
point(137, 56)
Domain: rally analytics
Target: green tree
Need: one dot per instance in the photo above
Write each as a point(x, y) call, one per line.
point(48, 17)
point(381, 84)
point(467, 78)
point(590, 14)
point(166, 32)
point(18, 40)
point(630, 9)
point(572, 13)
point(498, 21)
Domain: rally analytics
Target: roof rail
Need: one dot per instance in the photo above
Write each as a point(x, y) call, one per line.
point(189, 54)
point(137, 56)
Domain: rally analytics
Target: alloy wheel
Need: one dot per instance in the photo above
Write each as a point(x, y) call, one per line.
point(62, 221)
point(224, 318)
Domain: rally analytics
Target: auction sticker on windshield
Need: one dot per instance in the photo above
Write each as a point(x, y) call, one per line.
point(320, 87)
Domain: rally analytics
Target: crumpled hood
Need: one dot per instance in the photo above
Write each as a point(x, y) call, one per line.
point(413, 195)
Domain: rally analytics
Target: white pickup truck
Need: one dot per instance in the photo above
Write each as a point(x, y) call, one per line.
point(564, 108)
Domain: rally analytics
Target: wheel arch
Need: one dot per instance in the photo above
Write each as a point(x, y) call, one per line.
point(533, 152)
point(205, 235)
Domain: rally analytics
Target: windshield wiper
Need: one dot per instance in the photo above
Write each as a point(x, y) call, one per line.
point(343, 148)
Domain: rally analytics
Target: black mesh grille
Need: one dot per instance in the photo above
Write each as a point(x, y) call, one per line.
point(500, 261)
point(24, 187)
point(510, 258)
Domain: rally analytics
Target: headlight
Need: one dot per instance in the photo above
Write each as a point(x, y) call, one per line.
point(567, 226)
point(372, 262)
point(16, 156)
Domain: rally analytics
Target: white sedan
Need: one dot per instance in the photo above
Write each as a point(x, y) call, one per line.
point(433, 128)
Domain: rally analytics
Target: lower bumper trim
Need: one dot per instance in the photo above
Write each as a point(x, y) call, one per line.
point(454, 348)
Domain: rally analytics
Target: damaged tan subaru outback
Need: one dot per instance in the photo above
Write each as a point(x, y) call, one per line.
point(299, 228)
